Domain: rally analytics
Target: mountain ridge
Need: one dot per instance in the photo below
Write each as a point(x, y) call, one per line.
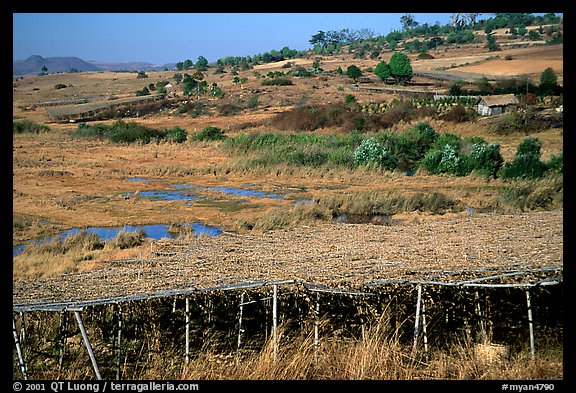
point(35, 63)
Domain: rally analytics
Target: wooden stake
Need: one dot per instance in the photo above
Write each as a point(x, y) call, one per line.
point(187, 358)
point(530, 325)
point(424, 328)
point(19, 350)
point(87, 343)
point(119, 342)
point(22, 328)
point(240, 321)
point(316, 327)
point(275, 319)
point(63, 338)
point(417, 322)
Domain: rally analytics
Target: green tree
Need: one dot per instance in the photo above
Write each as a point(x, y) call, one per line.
point(353, 72)
point(400, 67)
point(548, 82)
point(201, 64)
point(491, 44)
point(382, 70)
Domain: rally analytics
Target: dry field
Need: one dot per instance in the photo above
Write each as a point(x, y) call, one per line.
point(61, 182)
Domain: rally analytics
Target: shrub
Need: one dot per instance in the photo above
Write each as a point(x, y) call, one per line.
point(279, 81)
point(486, 159)
point(447, 160)
point(410, 146)
point(526, 164)
point(175, 134)
point(370, 152)
point(210, 133)
point(144, 92)
point(556, 164)
point(131, 132)
point(25, 126)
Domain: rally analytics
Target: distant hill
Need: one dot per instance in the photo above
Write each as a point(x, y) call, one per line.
point(34, 64)
point(131, 66)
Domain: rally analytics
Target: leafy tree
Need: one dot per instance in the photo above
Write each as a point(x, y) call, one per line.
point(353, 72)
point(400, 67)
point(491, 44)
point(382, 70)
point(408, 22)
point(187, 64)
point(548, 82)
point(319, 38)
point(178, 77)
point(201, 64)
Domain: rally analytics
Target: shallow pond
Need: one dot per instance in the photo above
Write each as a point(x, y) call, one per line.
point(155, 231)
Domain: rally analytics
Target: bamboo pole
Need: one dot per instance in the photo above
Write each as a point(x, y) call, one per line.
point(417, 322)
point(187, 357)
point(22, 328)
point(317, 327)
point(241, 311)
point(19, 350)
point(119, 342)
point(63, 337)
point(530, 325)
point(275, 319)
point(424, 326)
point(87, 343)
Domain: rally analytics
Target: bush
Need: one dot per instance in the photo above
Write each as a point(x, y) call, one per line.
point(486, 159)
point(447, 160)
point(370, 152)
point(175, 134)
point(28, 126)
point(210, 133)
point(119, 132)
point(131, 132)
point(410, 146)
point(556, 164)
point(526, 164)
point(280, 81)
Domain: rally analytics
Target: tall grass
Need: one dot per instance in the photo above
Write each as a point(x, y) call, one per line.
point(367, 203)
point(73, 254)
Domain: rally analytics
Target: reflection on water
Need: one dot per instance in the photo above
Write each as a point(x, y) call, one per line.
point(156, 232)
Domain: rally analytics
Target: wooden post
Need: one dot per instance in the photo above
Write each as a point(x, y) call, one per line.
point(416, 323)
point(530, 325)
point(187, 357)
point(240, 321)
point(87, 343)
point(19, 350)
point(424, 328)
point(63, 338)
point(22, 328)
point(316, 327)
point(119, 342)
point(275, 319)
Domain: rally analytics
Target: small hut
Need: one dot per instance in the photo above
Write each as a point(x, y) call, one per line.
point(496, 105)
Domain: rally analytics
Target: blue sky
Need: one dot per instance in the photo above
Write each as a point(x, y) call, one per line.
point(165, 38)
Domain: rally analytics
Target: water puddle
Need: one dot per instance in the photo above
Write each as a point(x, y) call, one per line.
point(190, 192)
point(155, 231)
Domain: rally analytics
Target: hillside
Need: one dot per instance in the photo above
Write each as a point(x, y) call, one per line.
point(35, 63)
